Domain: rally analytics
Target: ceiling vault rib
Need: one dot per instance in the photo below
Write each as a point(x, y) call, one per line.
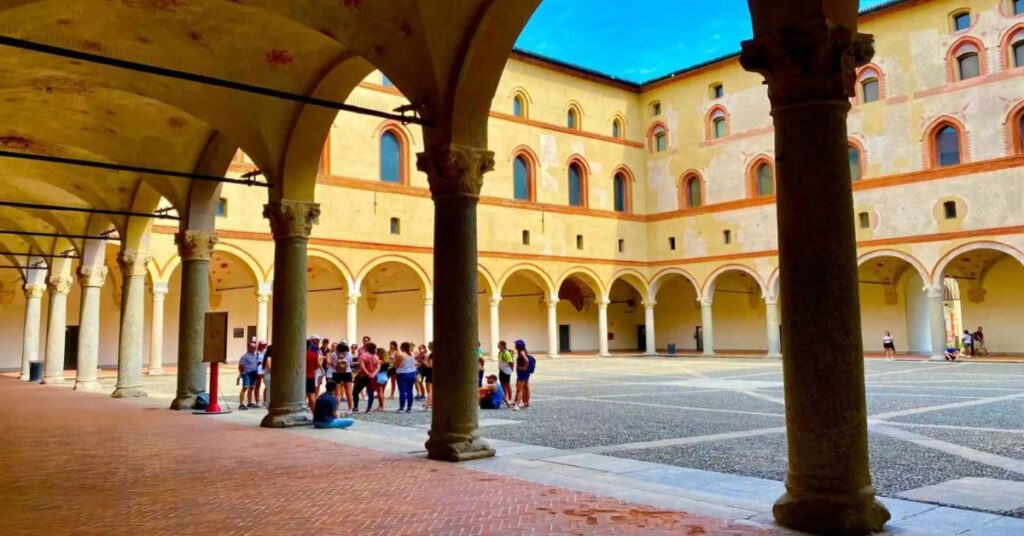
point(209, 80)
point(108, 212)
point(41, 255)
point(56, 235)
point(250, 181)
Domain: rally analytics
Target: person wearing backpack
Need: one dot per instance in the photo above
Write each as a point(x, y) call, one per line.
point(525, 365)
point(506, 368)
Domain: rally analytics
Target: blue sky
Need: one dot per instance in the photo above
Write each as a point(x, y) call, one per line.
point(629, 40)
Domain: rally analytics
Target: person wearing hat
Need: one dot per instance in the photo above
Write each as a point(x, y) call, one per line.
point(312, 365)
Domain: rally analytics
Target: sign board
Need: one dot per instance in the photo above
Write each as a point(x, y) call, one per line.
point(215, 338)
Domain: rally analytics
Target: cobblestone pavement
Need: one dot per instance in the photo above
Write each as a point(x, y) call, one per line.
point(80, 463)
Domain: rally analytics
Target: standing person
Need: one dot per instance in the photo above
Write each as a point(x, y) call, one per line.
point(247, 366)
point(979, 342)
point(369, 366)
point(524, 367)
point(261, 350)
point(420, 357)
point(428, 376)
point(362, 349)
point(480, 365)
point(312, 366)
point(341, 374)
point(405, 374)
point(266, 374)
point(381, 378)
point(326, 413)
point(393, 353)
point(506, 368)
point(888, 346)
point(968, 342)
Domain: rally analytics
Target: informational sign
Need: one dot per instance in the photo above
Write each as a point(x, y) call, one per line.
point(215, 339)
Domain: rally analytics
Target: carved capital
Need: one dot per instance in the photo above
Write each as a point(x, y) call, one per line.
point(495, 301)
point(262, 297)
point(92, 276)
point(650, 304)
point(455, 170)
point(34, 291)
point(353, 299)
point(195, 245)
point(133, 263)
point(771, 300)
point(291, 219)
point(59, 284)
point(812, 62)
point(428, 301)
point(706, 302)
point(935, 292)
point(160, 290)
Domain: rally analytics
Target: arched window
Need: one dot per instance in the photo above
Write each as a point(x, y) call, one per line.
point(521, 178)
point(1020, 132)
point(947, 145)
point(576, 185)
point(870, 82)
point(572, 118)
point(960, 21)
point(764, 179)
point(719, 128)
point(392, 157)
point(518, 108)
point(617, 128)
point(660, 141)
point(621, 188)
point(1016, 51)
point(854, 155)
point(968, 65)
point(692, 194)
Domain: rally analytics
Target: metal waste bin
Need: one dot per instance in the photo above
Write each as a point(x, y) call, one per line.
point(671, 348)
point(35, 371)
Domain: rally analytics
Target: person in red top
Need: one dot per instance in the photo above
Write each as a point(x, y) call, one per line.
point(369, 366)
point(312, 364)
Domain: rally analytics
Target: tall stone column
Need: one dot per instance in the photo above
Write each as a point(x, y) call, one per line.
point(552, 304)
point(428, 319)
point(156, 330)
point(455, 173)
point(56, 329)
point(771, 304)
point(262, 321)
point(937, 321)
point(195, 249)
point(133, 310)
point(707, 325)
point(91, 279)
point(602, 327)
point(352, 318)
point(495, 324)
point(651, 341)
point(808, 63)
point(33, 314)
point(291, 223)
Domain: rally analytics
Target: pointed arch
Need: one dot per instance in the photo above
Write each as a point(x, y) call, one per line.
point(761, 176)
point(712, 130)
point(1011, 39)
point(931, 139)
point(393, 142)
point(956, 54)
point(1015, 130)
point(618, 126)
point(690, 189)
point(578, 181)
point(574, 116)
point(520, 103)
point(866, 76)
point(524, 162)
point(622, 188)
point(658, 137)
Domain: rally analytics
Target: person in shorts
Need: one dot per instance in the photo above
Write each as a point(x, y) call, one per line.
point(312, 365)
point(491, 395)
point(888, 345)
point(522, 377)
point(506, 368)
point(248, 365)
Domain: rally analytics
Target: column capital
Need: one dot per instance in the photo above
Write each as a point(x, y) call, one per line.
point(428, 299)
point(602, 302)
point(810, 62)
point(649, 304)
point(195, 245)
point(770, 300)
point(92, 276)
point(551, 302)
point(262, 297)
point(495, 300)
point(34, 290)
point(455, 170)
point(60, 284)
point(935, 292)
point(706, 302)
point(160, 290)
point(291, 219)
point(353, 298)
point(133, 263)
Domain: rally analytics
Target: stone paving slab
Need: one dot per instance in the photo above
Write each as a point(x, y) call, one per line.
point(990, 494)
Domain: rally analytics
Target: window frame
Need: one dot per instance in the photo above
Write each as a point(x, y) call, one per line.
point(654, 108)
point(627, 189)
point(954, 17)
point(855, 146)
point(716, 90)
point(403, 154)
point(574, 110)
point(753, 176)
point(531, 160)
point(716, 113)
point(656, 128)
point(1011, 38)
point(932, 155)
point(865, 74)
point(583, 170)
point(965, 45)
point(685, 195)
point(618, 128)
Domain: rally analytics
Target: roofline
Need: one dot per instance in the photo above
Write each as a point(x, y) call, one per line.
point(639, 87)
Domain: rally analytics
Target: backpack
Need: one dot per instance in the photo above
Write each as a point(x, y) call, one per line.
point(532, 367)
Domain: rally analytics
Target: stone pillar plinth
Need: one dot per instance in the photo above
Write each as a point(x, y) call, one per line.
point(195, 249)
point(602, 327)
point(495, 320)
point(809, 67)
point(33, 314)
point(262, 316)
point(352, 318)
point(937, 322)
point(156, 330)
point(291, 223)
point(650, 341)
point(455, 173)
point(552, 304)
point(91, 279)
point(133, 310)
point(771, 304)
point(56, 329)
point(707, 326)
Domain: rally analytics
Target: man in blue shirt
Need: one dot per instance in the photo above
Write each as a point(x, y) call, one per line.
point(491, 395)
point(325, 411)
point(248, 367)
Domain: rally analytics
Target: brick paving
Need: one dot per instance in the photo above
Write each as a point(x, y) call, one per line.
point(77, 463)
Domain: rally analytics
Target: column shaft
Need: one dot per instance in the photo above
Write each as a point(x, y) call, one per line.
point(56, 330)
point(552, 327)
point(133, 310)
point(772, 325)
point(707, 327)
point(428, 320)
point(352, 318)
point(495, 319)
point(602, 328)
point(156, 330)
point(291, 223)
point(262, 321)
point(195, 248)
point(937, 322)
point(650, 342)
point(91, 279)
point(33, 314)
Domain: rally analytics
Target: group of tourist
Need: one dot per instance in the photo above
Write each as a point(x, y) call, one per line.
point(971, 344)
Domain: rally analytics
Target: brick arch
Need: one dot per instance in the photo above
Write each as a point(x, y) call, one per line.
point(1005, 53)
point(855, 142)
point(1014, 136)
point(684, 191)
point(862, 73)
point(931, 157)
point(652, 130)
point(709, 131)
point(954, 50)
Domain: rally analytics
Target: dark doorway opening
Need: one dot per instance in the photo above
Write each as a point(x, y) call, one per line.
point(563, 339)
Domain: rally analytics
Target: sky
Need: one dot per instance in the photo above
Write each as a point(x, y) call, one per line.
point(629, 40)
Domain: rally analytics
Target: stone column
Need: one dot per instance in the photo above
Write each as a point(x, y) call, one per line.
point(156, 330)
point(602, 327)
point(262, 301)
point(552, 304)
point(771, 304)
point(808, 63)
point(428, 320)
point(91, 279)
point(937, 321)
point(707, 325)
point(33, 313)
point(650, 341)
point(56, 329)
point(351, 318)
point(195, 249)
point(133, 310)
point(495, 324)
point(455, 173)
point(291, 223)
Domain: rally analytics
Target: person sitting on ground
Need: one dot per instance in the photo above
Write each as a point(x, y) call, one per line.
point(247, 367)
point(492, 395)
point(326, 413)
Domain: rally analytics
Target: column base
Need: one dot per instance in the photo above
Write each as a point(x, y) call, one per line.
point(154, 371)
point(938, 357)
point(286, 418)
point(23, 377)
point(832, 514)
point(773, 356)
point(605, 354)
point(129, 392)
point(88, 386)
point(709, 354)
point(451, 450)
point(53, 380)
point(184, 403)
point(553, 356)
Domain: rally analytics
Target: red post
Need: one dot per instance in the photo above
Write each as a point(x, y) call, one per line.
point(214, 407)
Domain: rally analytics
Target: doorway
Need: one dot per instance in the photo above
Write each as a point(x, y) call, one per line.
point(71, 348)
point(641, 337)
point(563, 339)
